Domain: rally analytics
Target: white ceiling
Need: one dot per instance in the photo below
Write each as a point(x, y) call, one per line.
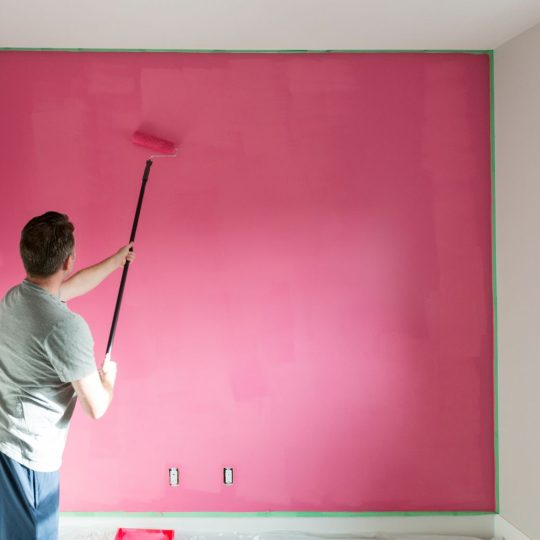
point(264, 24)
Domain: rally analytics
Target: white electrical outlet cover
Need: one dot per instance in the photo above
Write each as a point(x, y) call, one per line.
point(174, 477)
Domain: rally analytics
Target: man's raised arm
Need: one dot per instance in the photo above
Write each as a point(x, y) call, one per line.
point(88, 278)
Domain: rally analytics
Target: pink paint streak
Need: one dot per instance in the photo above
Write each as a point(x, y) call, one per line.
point(311, 303)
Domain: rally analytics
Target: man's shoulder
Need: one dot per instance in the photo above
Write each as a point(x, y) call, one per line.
point(72, 323)
point(11, 292)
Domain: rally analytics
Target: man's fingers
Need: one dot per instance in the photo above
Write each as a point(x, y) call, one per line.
point(107, 362)
point(125, 254)
point(111, 366)
point(108, 366)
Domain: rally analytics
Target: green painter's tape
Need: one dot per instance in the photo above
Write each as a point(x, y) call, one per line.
point(494, 275)
point(254, 51)
point(267, 514)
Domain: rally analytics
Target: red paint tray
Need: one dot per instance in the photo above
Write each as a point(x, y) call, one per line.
point(143, 534)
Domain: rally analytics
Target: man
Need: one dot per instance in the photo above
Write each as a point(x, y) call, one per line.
point(46, 363)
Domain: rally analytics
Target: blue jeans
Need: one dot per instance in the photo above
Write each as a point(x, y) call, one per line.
point(29, 502)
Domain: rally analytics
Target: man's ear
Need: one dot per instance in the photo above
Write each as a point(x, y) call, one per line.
point(68, 263)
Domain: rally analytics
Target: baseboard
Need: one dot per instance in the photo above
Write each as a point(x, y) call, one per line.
point(480, 526)
point(504, 529)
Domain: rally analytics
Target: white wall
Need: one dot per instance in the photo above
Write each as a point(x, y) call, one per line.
point(103, 525)
point(517, 136)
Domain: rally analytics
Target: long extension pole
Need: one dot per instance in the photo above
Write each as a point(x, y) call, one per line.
point(126, 265)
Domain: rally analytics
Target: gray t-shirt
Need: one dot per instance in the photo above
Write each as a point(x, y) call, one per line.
point(43, 348)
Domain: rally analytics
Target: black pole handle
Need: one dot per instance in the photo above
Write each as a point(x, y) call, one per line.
point(126, 265)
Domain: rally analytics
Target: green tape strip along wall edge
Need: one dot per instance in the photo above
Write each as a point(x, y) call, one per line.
point(494, 277)
point(269, 514)
point(246, 51)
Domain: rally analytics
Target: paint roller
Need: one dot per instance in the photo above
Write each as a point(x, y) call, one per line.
point(164, 149)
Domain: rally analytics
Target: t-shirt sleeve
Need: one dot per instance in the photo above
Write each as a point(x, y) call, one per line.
point(70, 348)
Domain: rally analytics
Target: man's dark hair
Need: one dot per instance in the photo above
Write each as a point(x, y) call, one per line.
point(46, 242)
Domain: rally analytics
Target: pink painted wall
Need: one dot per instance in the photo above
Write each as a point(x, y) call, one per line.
point(311, 303)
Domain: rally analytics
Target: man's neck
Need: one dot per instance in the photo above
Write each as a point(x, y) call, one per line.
point(51, 283)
